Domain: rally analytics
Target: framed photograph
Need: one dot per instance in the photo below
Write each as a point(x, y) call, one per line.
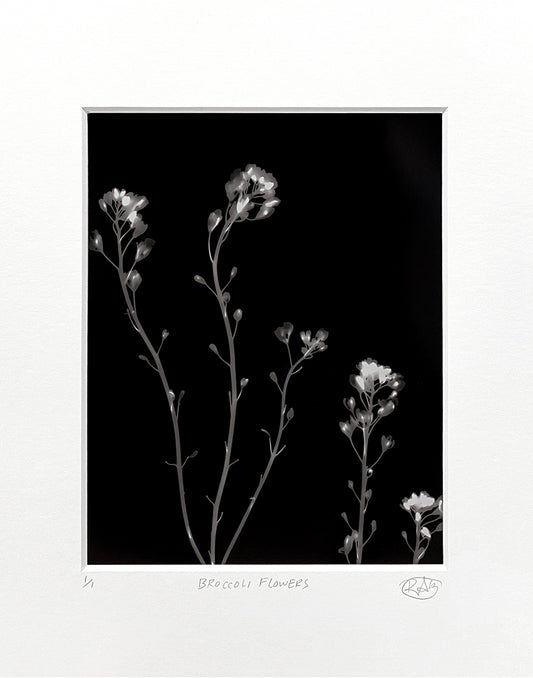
point(265, 358)
point(221, 429)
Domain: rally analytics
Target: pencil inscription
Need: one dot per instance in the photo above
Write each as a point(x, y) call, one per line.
point(421, 588)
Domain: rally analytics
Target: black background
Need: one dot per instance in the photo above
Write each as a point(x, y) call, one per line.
point(354, 247)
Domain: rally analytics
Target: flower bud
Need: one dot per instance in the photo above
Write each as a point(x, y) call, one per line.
point(290, 414)
point(425, 533)
point(213, 348)
point(199, 279)
point(233, 272)
point(418, 517)
point(139, 227)
point(273, 376)
point(226, 297)
point(103, 205)
point(345, 428)
point(133, 280)
point(214, 220)
point(164, 334)
point(244, 382)
point(386, 443)
point(144, 248)
point(95, 242)
point(348, 427)
point(171, 395)
point(369, 472)
point(349, 404)
point(396, 382)
point(357, 382)
point(350, 484)
point(348, 543)
point(237, 315)
point(364, 417)
point(284, 333)
point(386, 407)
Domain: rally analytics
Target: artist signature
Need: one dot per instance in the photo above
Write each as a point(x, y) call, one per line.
point(421, 588)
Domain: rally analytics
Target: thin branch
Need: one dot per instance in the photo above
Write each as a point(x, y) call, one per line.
point(355, 450)
point(110, 260)
point(147, 361)
point(382, 453)
point(134, 319)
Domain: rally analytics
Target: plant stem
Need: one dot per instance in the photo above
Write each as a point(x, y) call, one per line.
point(273, 454)
point(416, 555)
point(362, 498)
point(233, 395)
point(157, 360)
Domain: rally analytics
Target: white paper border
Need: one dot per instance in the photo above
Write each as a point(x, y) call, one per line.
point(474, 58)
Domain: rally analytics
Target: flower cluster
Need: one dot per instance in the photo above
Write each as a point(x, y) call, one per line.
point(311, 344)
point(252, 194)
point(426, 512)
point(124, 207)
point(420, 504)
point(374, 403)
point(371, 379)
point(123, 210)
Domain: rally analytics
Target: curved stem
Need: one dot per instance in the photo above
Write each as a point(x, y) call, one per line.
point(215, 519)
point(273, 454)
point(132, 313)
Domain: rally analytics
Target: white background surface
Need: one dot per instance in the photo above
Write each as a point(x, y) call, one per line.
point(473, 57)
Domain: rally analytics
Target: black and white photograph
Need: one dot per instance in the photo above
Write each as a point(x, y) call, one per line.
point(265, 366)
point(264, 333)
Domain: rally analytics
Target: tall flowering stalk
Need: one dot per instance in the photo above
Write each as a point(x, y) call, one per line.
point(123, 210)
point(251, 196)
point(377, 389)
point(426, 514)
point(311, 346)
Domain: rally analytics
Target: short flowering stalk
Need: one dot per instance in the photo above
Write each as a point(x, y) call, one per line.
point(123, 210)
point(426, 513)
point(377, 390)
point(251, 197)
point(309, 349)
